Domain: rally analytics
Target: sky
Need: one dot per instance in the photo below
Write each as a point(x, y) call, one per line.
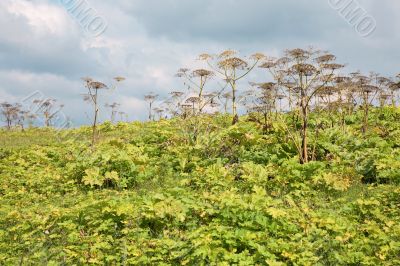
point(45, 48)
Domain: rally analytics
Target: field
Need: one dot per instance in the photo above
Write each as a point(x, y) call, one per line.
point(201, 191)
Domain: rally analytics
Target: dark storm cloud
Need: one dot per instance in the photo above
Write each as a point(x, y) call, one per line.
point(238, 21)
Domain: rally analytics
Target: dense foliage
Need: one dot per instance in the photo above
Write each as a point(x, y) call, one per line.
point(201, 191)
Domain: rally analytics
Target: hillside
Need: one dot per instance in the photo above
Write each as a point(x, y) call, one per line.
point(199, 191)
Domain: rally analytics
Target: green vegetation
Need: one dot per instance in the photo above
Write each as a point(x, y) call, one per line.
point(201, 191)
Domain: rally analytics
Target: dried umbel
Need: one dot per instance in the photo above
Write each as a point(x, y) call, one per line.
point(186, 106)
point(355, 74)
point(233, 63)
point(268, 64)
point(119, 79)
point(304, 69)
point(202, 73)
point(205, 57)
point(323, 59)
point(332, 67)
point(113, 105)
point(193, 100)
point(327, 91)
point(283, 61)
point(298, 54)
point(176, 94)
point(369, 88)
point(341, 79)
point(267, 85)
point(257, 56)
point(361, 80)
point(182, 72)
point(227, 54)
point(288, 84)
point(150, 97)
point(11, 107)
point(96, 85)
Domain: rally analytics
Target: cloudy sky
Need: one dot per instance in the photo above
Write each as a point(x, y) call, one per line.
point(43, 47)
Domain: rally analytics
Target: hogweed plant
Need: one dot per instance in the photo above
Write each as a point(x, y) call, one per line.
point(49, 109)
point(123, 116)
point(15, 116)
point(197, 79)
point(264, 102)
point(151, 98)
point(159, 112)
point(305, 83)
point(394, 90)
point(303, 74)
point(22, 116)
point(173, 105)
point(10, 113)
point(370, 88)
point(225, 98)
point(114, 110)
point(93, 87)
point(232, 69)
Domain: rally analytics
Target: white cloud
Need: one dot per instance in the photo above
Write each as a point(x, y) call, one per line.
point(44, 19)
point(134, 107)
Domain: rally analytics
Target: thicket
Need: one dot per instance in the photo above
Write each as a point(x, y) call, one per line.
point(161, 193)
